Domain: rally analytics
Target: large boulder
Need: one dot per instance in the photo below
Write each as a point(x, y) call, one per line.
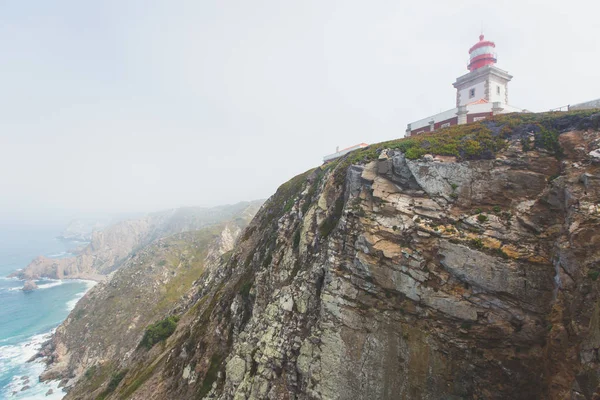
point(29, 286)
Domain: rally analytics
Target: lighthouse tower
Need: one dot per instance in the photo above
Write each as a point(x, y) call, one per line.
point(485, 81)
point(480, 93)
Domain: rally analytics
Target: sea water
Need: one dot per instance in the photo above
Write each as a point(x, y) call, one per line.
point(28, 318)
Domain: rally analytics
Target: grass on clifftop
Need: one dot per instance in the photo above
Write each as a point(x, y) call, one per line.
point(482, 139)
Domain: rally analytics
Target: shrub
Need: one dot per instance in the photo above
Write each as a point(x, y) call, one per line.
point(159, 331)
point(477, 211)
point(477, 243)
point(482, 218)
point(497, 209)
point(594, 274)
point(501, 253)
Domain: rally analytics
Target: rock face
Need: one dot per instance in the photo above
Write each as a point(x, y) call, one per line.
point(110, 247)
point(29, 286)
point(382, 276)
point(108, 322)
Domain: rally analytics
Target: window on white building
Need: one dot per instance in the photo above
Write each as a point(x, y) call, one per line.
point(498, 89)
point(471, 93)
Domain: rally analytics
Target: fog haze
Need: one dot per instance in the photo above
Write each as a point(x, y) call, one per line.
point(127, 106)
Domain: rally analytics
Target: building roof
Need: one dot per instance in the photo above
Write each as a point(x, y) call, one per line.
point(480, 101)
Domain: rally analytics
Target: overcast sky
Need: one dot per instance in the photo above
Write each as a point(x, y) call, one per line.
point(143, 105)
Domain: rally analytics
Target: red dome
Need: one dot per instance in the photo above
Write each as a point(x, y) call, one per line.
point(482, 54)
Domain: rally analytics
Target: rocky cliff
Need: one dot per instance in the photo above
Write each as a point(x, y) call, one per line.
point(111, 246)
point(107, 322)
point(458, 265)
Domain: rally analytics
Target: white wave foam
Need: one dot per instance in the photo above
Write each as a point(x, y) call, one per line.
point(57, 255)
point(14, 358)
point(51, 284)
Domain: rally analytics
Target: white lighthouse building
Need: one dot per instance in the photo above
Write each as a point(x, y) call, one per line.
point(482, 92)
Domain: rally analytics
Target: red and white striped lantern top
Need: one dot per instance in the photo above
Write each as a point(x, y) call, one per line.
point(482, 54)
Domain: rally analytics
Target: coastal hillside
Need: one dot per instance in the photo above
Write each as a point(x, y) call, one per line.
point(460, 265)
point(111, 246)
point(153, 282)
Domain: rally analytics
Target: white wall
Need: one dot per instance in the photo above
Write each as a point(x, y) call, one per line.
point(494, 96)
point(479, 92)
point(436, 118)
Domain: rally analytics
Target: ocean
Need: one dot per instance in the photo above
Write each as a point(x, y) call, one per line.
point(27, 319)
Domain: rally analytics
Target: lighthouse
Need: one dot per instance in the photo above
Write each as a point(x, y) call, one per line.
point(485, 81)
point(480, 93)
point(482, 54)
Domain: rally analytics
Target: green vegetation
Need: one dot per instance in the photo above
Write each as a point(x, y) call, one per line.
point(501, 253)
point(477, 243)
point(211, 375)
point(248, 232)
point(89, 373)
point(189, 261)
point(113, 384)
point(288, 205)
point(332, 219)
point(130, 388)
point(478, 140)
point(482, 218)
point(296, 238)
point(593, 274)
point(545, 127)
point(496, 209)
point(225, 257)
point(95, 376)
point(284, 198)
point(268, 259)
point(159, 331)
point(245, 289)
point(77, 314)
